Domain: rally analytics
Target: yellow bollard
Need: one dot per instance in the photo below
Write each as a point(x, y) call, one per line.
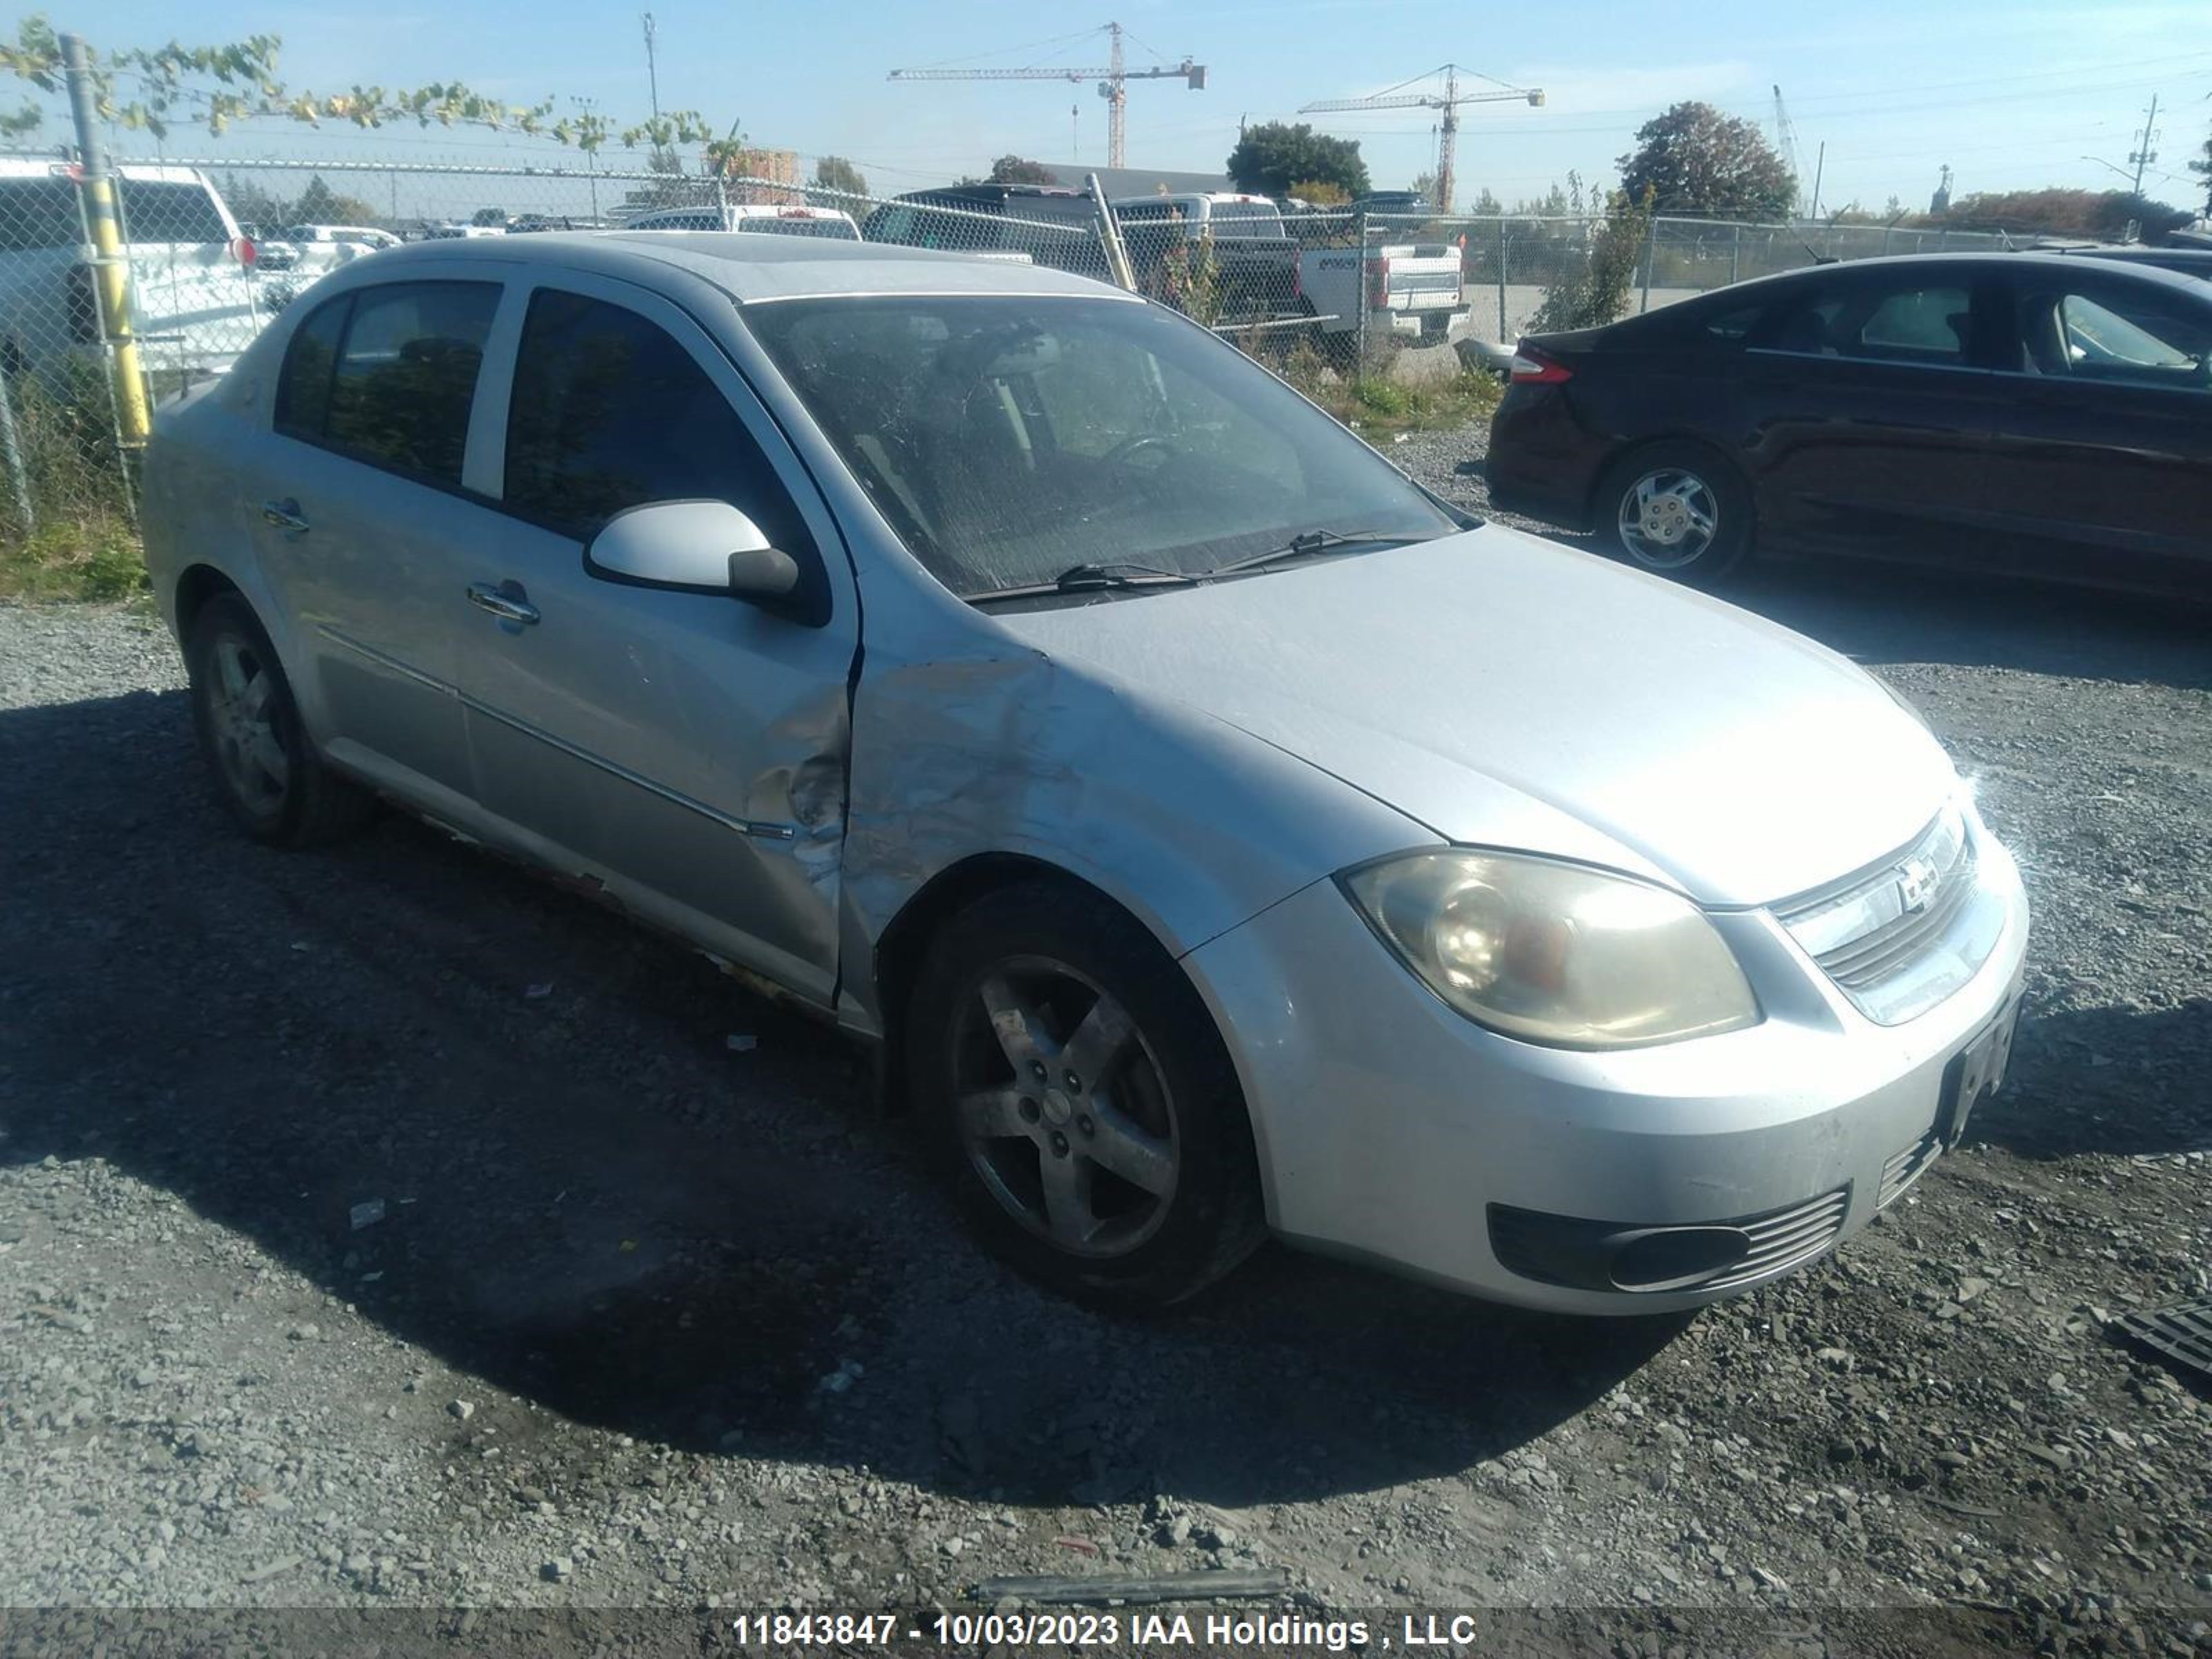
point(111, 269)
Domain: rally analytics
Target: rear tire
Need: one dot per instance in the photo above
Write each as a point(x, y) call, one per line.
point(1677, 510)
point(1078, 1098)
point(266, 772)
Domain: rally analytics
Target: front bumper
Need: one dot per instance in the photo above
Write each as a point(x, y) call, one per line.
point(1392, 1129)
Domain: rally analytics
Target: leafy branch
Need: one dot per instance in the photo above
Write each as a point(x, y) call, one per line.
point(221, 85)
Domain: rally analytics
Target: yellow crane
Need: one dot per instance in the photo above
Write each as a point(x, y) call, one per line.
point(1449, 101)
point(1113, 85)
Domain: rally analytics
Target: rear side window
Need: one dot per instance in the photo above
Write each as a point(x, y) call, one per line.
point(610, 412)
point(1920, 324)
point(403, 375)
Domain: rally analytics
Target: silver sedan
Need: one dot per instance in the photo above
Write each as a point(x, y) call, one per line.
point(1217, 834)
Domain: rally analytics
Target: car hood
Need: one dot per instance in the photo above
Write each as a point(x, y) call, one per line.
point(1504, 690)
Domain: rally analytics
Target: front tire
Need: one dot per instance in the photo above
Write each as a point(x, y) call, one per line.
point(1677, 510)
point(265, 771)
point(1079, 1098)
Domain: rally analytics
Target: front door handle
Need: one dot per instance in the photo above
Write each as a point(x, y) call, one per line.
point(508, 607)
point(284, 515)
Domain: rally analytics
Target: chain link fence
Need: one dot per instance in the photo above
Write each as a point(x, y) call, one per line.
point(212, 248)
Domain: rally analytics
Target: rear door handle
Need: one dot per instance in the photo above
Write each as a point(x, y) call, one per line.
point(508, 607)
point(284, 515)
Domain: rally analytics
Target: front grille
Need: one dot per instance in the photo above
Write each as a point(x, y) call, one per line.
point(1788, 1236)
point(1898, 937)
point(1908, 1167)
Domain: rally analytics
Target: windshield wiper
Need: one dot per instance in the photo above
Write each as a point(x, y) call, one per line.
point(1309, 544)
point(1092, 579)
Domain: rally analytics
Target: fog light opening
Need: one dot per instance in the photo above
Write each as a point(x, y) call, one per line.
point(1676, 1258)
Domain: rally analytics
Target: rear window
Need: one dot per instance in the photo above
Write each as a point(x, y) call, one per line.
point(781, 225)
point(1245, 219)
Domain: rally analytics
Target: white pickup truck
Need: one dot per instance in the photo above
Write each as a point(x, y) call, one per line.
point(198, 299)
point(1405, 287)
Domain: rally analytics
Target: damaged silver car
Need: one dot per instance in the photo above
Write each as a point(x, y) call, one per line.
point(1220, 836)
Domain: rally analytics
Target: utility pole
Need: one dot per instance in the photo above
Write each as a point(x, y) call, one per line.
point(652, 71)
point(590, 106)
point(2142, 156)
point(1820, 166)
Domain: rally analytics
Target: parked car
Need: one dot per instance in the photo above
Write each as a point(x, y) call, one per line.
point(1214, 831)
point(1255, 265)
point(1053, 226)
point(2033, 414)
point(366, 237)
point(195, 297)
point(788, 220)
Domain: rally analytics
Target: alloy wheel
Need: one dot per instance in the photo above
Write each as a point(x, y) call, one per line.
point(242, 721)
point(1669, 518)
point(1064, 1111)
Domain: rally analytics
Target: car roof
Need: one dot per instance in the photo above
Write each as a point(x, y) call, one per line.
point(751, 268)
point(1972, 264)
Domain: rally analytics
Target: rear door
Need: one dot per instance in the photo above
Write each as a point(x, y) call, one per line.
point(685, 750)
point(361, 519)
point(2102, 471)
point(1869, 403)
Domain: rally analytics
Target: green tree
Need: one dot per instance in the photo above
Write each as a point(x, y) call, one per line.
point(835, 173)
point(1019, 170)
point(1273, 156)
point(318, 205)
point(2061, 212)
point(1696, 161)
point(1424, 187)
point(1595, 290)
point(2201, 166)
point(222, 85)
point(1486, 206)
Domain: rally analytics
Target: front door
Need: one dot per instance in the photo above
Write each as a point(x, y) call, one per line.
point(685, 750)
point(2103, 466)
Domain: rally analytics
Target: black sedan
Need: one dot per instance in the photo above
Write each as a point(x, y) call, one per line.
point(2032, 414)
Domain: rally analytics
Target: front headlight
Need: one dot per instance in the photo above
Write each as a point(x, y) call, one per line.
point(1555, 953)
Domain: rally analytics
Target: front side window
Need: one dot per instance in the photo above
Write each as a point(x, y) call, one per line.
point(1008, 439)
point(2115, 339)
point(388, 375)
point(610, 412)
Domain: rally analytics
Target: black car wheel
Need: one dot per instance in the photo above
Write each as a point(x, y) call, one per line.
point(1078, 1097)
point(1677, 511)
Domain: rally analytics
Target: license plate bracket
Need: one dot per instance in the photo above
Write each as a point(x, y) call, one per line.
point(1975, 1071)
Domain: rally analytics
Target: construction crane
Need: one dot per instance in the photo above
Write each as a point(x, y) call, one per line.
point(1449, 102)
point(1113, 85)
point(1785, 145)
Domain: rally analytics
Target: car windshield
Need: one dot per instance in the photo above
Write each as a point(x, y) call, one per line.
point(1008, 439)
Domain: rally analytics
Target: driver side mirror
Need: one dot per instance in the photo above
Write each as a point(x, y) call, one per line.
point(704, 547)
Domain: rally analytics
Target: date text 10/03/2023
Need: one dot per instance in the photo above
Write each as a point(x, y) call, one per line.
point(1064, 1627)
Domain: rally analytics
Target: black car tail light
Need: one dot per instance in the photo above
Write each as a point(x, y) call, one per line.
point(1532, 368)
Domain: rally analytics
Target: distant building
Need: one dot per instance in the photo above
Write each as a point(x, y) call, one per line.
point(777, 170)
point(1120, 182)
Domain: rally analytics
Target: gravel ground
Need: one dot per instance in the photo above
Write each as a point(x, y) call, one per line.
point(385, 1227)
